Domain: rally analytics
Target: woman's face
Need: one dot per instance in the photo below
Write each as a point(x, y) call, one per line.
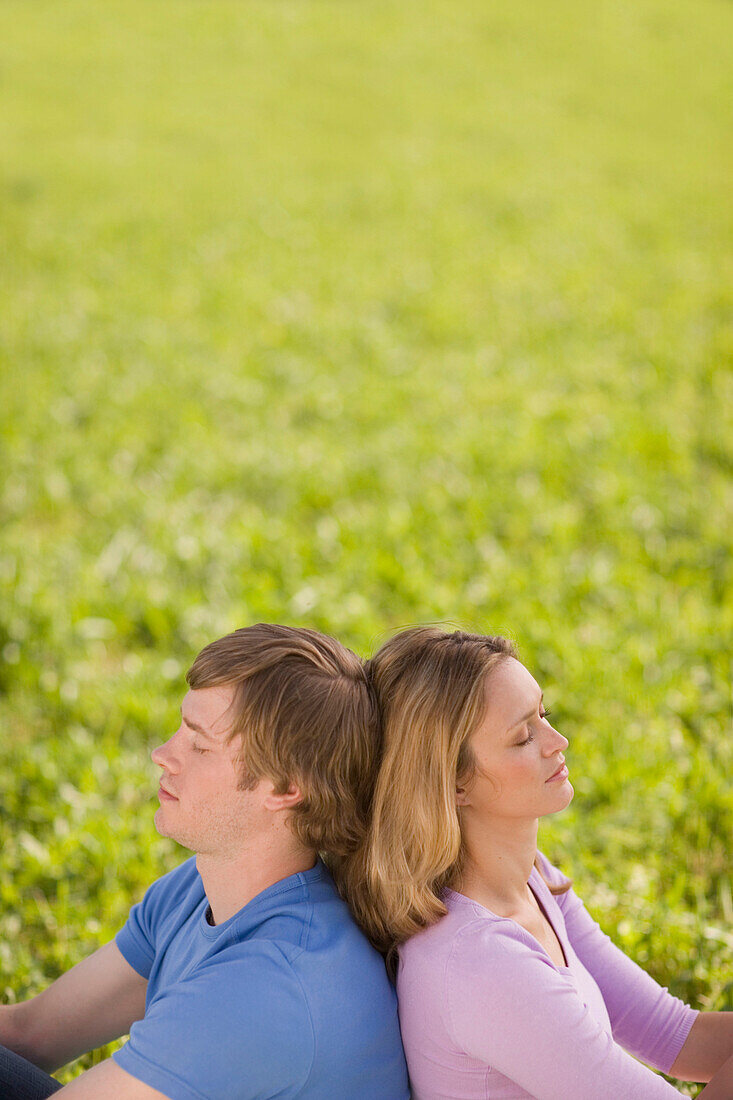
point(520, 770)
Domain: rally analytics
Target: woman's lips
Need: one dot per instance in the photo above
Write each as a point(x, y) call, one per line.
point(561, 773)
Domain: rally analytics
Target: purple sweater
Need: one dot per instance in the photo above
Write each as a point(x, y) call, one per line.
point(486, 1015)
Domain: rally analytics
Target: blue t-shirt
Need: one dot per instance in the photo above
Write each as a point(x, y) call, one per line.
point(285, 999)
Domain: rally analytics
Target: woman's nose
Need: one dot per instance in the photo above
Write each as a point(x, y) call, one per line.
point(556, 743)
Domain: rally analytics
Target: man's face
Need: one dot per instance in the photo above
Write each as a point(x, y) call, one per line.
point(201, 805)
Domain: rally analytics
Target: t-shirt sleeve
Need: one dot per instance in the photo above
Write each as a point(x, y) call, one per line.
point(136, 939)
point(238, 1032)
point(508, 1006)
point(136, 942)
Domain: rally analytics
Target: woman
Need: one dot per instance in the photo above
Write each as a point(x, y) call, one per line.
point(507, 987)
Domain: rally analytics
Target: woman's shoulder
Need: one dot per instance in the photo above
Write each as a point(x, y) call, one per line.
point(466, 930)
point(552, 874)
point(468, 927)
point(438, 939)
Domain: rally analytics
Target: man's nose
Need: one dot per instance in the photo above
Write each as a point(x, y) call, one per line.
point(165, 755)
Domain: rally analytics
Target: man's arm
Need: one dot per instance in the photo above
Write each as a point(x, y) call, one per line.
point(108, 1081)
point(96, 1001)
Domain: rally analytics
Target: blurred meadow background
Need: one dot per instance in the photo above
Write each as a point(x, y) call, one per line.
point(357, 315)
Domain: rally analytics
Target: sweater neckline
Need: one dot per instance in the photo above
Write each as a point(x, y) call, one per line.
point(536, 887)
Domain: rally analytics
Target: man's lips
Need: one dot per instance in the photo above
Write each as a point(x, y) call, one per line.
point(165, 795)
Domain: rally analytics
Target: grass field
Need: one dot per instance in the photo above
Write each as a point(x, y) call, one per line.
point(357, 315)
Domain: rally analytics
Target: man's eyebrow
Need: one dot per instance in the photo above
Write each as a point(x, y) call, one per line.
point(195, 726)
point(526, 717)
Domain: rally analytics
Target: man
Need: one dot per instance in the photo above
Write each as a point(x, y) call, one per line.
point(241, 973)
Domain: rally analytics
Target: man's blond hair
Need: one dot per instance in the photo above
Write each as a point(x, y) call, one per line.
point(305, 714)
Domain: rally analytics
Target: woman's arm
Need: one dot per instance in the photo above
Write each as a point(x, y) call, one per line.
point(707, 1047)
point(508, 1007)
point(646, 1019)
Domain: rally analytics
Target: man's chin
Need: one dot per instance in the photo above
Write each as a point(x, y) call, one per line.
point(160, 822)
point(166, 829)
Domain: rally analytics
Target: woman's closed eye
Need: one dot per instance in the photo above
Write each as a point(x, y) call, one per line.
point(530, 736)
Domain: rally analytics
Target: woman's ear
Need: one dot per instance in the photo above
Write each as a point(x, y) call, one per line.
point(462, 798)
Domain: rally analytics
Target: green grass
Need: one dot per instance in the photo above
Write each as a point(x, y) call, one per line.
point(355, 316)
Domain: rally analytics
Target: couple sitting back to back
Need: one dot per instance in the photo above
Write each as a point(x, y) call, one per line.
point(419, 777)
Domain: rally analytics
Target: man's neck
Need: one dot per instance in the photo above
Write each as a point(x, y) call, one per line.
point(231, 882)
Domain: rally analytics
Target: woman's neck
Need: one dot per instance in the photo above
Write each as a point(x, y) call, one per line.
point(498, 861)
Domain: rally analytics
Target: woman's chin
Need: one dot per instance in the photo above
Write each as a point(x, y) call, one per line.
point(563, 797)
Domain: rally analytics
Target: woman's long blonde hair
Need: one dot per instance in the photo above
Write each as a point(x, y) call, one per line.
point(430, 688)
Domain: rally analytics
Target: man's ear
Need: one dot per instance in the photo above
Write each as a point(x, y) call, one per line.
point(275, 801)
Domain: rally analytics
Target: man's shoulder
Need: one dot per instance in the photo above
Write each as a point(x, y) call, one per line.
point(304, 914)
point(173, 888)
point(287, 994)
point(325, 947)
point(303, 927)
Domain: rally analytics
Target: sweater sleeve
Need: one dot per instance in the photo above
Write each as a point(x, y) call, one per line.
point(508, 1006)
point(646, 1019)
